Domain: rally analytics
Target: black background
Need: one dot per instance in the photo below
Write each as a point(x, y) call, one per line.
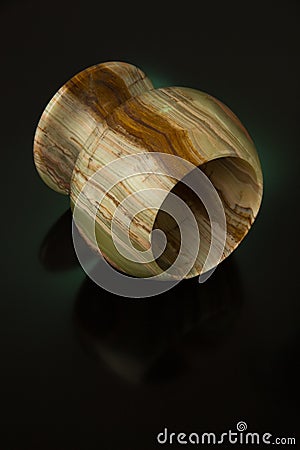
point(82, 369)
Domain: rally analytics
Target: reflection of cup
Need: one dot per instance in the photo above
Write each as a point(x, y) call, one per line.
point(57, 251)
point(154, 338)
point(145, 339)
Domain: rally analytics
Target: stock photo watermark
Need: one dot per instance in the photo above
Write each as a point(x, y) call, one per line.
point(240, 436)
point(100, 185)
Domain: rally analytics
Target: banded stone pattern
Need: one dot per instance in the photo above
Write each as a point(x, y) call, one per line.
point(73, 113)
point(112, 110)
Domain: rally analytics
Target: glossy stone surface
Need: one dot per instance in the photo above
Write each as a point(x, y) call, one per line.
point(112, 110)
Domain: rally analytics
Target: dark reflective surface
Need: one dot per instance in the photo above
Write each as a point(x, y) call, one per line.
point(57, 251)
point(145, 339)
point(149, 339)
point(188, 342)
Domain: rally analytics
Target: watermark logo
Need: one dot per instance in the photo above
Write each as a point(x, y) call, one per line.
point(241, 426)
point(116, 172)
point(240, 436)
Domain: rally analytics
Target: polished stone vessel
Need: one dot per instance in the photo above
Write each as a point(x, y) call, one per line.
point(112, 110)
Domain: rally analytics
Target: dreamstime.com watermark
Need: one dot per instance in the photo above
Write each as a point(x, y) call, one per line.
point(238, 437)
point(87, 212)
